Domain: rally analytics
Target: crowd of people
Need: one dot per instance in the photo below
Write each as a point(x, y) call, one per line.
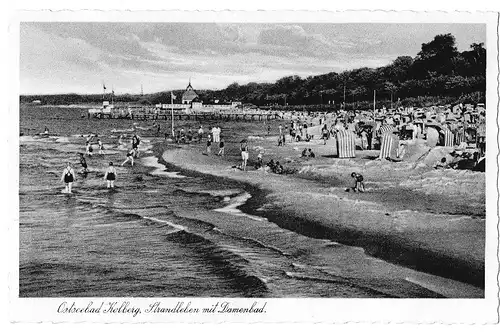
point(69, 176)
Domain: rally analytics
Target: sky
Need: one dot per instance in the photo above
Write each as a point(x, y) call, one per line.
point(70, 57)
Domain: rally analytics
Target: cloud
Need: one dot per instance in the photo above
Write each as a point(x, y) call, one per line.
point(69, 56)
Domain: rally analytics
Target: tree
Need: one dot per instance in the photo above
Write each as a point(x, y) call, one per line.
point(436, 57)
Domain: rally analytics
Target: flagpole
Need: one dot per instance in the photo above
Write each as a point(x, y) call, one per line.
point(172, 108)
point(374, 100)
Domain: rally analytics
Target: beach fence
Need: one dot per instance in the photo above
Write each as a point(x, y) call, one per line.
point(346, 146)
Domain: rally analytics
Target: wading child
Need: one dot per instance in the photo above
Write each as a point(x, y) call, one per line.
point(130, 157)
point(110, 176)
point(68, 177)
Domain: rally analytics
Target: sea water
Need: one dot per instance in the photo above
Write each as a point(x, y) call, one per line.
point(164, 232)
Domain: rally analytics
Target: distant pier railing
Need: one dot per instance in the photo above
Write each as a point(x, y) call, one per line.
point(225, 115)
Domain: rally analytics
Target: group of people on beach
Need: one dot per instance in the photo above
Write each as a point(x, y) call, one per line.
point(298, 132)
point(88, 144)
point(69, 176)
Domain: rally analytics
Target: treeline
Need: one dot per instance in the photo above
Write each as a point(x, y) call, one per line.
point(439, 74)
point(438, 71)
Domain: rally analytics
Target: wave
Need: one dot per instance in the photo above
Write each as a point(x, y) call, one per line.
point(160, 169)
point(225, 263)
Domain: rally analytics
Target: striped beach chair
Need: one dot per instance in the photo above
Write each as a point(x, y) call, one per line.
point(346, 146)
point(389, 145)
point(459, 137)
point(448, 138)
point(386, 128)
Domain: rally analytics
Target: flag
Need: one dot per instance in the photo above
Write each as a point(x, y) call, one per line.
point(104, 86)
point(172, 96)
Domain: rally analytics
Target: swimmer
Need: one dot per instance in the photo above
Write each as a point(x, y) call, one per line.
point(68, 177)
point(136, 140)
point(83, 162)
point(110, 175)
point(359, 184)
point(101, 146)
point(130, 157)
point(89, 149)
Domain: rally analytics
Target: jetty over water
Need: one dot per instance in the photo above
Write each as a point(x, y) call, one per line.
point(182, 112)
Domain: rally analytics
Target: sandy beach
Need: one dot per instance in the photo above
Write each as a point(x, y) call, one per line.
point(429, 220)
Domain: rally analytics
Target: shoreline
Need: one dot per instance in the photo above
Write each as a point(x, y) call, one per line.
point(320, 214)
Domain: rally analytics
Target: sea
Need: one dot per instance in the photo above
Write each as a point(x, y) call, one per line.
point(168, 232)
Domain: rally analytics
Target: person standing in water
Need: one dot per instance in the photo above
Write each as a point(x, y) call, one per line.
point(130, 157)
point(136, 140)
point(83, 162)
point(101, 146)
point(244, 154)
point(110, 175)
point(89, 148)
point(68, 177)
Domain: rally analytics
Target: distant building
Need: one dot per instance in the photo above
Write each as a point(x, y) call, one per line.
point(36, 102)
point(189, 95)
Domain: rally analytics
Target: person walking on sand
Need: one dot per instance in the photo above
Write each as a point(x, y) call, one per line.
point(200, 133)
point(68, 177)
point(209, 144)
point(244, 154)
point(359, 185)
point(83, 162)
point(110, 175)
point(130, 157)
point(101, 146)
point(221, 147)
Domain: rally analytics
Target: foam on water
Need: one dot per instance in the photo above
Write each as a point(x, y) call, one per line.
point(160, 169)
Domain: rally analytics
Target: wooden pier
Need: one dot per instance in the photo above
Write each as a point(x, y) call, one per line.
point(222, 116)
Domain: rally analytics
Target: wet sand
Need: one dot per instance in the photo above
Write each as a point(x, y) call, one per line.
point(431, 221)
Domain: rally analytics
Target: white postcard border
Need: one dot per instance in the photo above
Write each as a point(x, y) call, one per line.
point(463, 311)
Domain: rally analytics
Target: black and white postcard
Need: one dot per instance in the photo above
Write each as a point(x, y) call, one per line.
point(284, 166)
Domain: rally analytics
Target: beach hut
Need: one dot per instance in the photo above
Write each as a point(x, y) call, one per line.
point(346, 146)
point(389, 146)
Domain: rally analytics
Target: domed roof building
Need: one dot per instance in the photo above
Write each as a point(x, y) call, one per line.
point(189, 95)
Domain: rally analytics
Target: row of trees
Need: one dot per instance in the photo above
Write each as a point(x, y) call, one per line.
point(439, 73)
